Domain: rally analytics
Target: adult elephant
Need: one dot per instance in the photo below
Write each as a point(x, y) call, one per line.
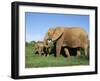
point(74, 37)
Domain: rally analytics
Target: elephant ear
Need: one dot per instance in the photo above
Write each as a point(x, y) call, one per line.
point(57, 33)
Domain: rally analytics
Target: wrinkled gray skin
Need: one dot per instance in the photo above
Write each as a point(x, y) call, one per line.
point(74, 37)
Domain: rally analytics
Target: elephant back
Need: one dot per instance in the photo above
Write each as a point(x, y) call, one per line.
point(75, 37)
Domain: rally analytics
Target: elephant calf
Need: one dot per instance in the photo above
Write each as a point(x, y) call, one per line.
point(38, 47)
point(41, 49)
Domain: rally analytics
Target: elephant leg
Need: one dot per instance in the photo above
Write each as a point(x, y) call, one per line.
point(49, 51)
point(58, 48)
point(66, 52)
point(78, 53)
point(40, 51)
point(46, 52)
point(86, 50)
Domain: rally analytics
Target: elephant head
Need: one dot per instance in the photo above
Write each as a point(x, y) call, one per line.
point(50, 38)
point(54, 33)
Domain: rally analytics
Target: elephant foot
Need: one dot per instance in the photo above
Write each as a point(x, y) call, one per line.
point(47, 55)
point(43, 55)
point(57, 55)
point(78, 53)
point(68, 56)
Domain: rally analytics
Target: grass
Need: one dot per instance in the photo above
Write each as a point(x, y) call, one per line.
point(34, 60)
